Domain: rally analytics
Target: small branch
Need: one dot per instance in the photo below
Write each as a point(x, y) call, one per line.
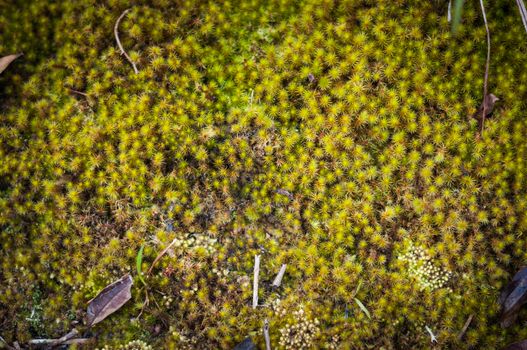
point(145, 303)
point(255, 280)
point(523, 12)
point(160, 255)
point(278, 279)
point(70, 335)
point(77, 341)
point(66, 339)
point(433, 338)
point(465, 327)
point(485, 83)
point(78, 92)
point(116, 32)
point(266, 335)
point(48, 342)
point(6, 344)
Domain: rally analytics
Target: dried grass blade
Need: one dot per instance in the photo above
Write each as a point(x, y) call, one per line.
point(255, 280)
point(523, 12)
point(116, 33)
point(160, 255)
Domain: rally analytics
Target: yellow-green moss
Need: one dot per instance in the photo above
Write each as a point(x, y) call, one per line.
point(327, 135)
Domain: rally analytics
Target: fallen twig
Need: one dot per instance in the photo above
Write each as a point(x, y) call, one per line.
point(6, 344)
point(53, 342)
point(266, 335)
point(278, 279)
point(523, 12)
point(145, 304)
point(255, 280)
point(433, 338)
point(465, 327)
point(160, 255)
point(485, 83)
point(77, 341)
point(116, 32)
point(78, 92)
point(48, 342)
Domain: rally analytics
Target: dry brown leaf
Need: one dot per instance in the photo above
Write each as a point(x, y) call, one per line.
point(6, 61)
point(109, 300)
point(485, 110)
point(513, 296)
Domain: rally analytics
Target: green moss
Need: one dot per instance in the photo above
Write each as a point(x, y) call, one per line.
point(331, 136)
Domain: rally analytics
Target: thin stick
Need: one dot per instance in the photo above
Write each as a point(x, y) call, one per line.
point(77, 341)
point(433, 338)
point(53, 342)
point(266, 335)
point(116, 32)
point(523, 12)
point(145, 303)
point(255, 280)
point(6, 344)
point(78, 92)
point(278, 279)
point(486, 68)
point(160, 255)
point(465, 327)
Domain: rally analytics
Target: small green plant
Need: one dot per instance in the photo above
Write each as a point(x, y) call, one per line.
point(139, 264)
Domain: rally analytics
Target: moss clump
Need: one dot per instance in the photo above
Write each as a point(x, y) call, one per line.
point(328, 135)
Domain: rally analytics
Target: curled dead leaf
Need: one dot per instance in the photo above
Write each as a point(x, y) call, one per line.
point(6, 60)
point(488, 104)
point(513, 296)
point(109, 300)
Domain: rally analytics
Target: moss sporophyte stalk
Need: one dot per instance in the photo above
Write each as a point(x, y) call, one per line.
point(335, 137)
